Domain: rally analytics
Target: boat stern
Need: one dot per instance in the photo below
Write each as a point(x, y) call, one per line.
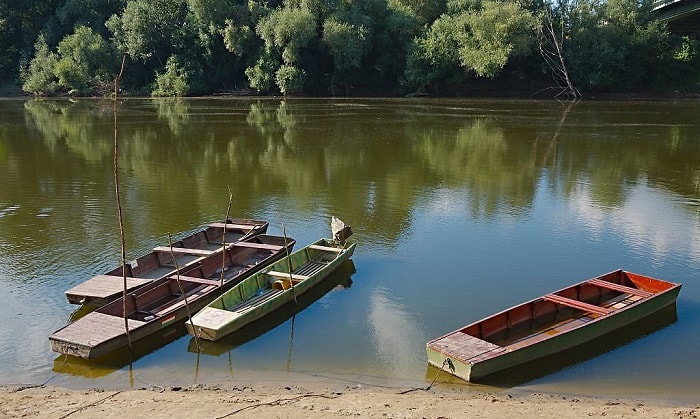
point(211, 323)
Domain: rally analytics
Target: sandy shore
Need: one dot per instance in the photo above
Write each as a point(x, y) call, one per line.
point(298, 402)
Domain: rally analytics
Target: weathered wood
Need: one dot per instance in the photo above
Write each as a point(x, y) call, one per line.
point(262, 246)
point(326, 248)
point(183, 250)
point(197, 280)
point(618, 287)
point(577, 304)
point(259, 295)
point(232, 226)
point(287, 275)
point(160, 303)
point(545, 326)
point(102, 288)
point(159, 263)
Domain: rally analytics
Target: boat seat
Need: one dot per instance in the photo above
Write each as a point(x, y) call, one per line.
point(196, 280)
point(287, 275)
point(620, 288)
point(263, 246)
point(325, 248)
point(230, 226)
point(183, 250)
point(558, 299)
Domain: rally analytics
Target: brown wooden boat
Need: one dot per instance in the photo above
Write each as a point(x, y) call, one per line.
point(161, 262)
point(550, 324)
point(161, 303)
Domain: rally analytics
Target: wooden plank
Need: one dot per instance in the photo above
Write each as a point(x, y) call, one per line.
point(94, 328)
point(619, 287)
point(197, 280)
point(286, 275)
point(325, 248)
point(183, 251)
point(230, 226)
point(103, 286)
point(462, 346)
point(577, 304)
point(263, 246)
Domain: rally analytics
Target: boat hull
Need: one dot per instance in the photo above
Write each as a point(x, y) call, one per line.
point(103, 289)
point(216, 321)
point(441, 352)
point(160, 304)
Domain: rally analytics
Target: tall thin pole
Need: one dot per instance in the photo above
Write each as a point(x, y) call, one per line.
point(119, 204)
point(223, 241)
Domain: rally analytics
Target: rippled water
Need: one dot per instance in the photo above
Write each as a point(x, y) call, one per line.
point(461, 208)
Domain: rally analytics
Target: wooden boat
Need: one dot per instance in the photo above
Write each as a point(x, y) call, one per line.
point(550, 324)
point(162, 302)
point(160, 263)
point(273, 287)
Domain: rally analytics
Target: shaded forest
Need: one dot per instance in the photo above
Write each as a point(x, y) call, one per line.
point(342, 47)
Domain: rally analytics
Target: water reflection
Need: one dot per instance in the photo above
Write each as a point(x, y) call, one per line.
point(502, 199)
point(395, 334)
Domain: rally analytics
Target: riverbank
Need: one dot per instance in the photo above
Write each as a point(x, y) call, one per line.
point(320, 402)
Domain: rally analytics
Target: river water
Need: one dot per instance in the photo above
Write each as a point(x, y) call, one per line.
point(460, 208)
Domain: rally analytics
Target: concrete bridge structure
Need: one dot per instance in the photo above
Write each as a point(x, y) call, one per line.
point(682, 16)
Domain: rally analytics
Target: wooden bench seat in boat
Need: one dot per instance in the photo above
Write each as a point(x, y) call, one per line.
point(577, 304)
point(183, 250)
point(263, 246)
point(230, 226)
point(286, 275)
point(621, 288)
point(325, 248)
point(196, 280)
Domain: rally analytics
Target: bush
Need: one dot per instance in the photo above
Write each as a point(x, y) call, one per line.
point(39, 78)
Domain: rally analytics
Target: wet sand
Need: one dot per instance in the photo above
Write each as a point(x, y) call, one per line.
point(317, 401)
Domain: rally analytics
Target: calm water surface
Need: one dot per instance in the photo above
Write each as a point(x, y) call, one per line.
point(460, 207)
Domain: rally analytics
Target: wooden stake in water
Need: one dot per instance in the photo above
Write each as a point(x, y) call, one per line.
point(223, 241)
point(182, 291)
point(289, 266)
point(119, 205)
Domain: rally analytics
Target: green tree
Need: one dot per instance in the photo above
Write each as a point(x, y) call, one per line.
point(151, 29)
point(286, 32)
point(40, 77)
point(87, 63)
point(179, 78)
point(478, 38)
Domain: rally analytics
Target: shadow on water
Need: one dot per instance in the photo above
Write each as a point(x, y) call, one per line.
point(533, 370)
point(340, 278)
point(107, 364)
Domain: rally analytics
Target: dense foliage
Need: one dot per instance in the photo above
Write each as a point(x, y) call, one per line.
point(336, 47)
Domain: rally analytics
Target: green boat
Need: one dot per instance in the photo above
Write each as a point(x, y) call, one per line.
point(270, 289)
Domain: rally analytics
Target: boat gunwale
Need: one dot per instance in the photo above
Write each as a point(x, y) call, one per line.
point(673, 286)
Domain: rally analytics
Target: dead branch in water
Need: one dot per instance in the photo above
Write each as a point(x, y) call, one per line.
point(551, 48)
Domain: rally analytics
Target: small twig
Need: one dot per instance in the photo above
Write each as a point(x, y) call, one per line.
point(276, 403)
point(90, 405)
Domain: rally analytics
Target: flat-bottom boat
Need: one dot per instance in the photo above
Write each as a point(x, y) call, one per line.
point(163, 261)
point(167, 301)
point(550, 324)
point(273, 287)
